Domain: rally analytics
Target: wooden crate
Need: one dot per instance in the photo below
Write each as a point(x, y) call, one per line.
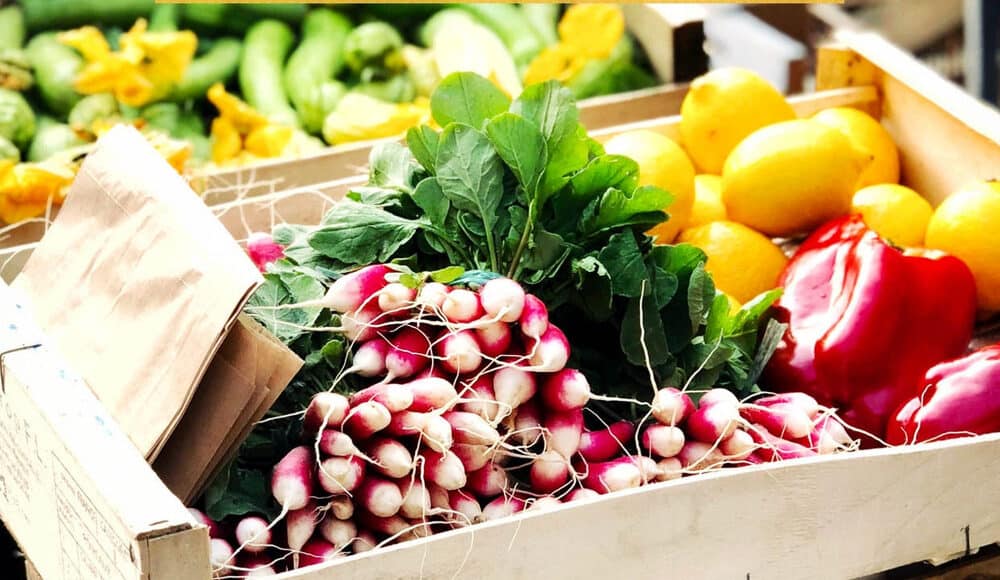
point(829, 517)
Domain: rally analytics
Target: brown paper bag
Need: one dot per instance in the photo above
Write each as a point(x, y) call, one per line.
point(138, 284)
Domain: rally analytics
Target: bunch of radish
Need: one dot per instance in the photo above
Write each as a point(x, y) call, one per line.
point(471, 414)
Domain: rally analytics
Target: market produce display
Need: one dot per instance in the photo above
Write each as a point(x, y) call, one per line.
point(217, 86)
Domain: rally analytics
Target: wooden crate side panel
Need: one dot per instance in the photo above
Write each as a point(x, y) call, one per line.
point(836, 517)
point(180, 556)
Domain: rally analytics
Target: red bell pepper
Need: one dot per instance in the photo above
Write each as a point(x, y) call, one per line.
point(958, 397)
point(865, 320)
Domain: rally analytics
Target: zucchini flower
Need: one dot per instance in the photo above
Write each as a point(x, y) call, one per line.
point(587, 33)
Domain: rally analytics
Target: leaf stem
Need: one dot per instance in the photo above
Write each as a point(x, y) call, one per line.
point(523, 242)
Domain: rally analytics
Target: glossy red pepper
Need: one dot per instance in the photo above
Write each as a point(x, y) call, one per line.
point(958, 397)
point(865, 320)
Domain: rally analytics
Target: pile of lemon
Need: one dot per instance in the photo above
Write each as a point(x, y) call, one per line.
point(747, 170)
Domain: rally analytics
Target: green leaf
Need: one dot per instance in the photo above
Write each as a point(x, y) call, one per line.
point(355, 233)
point(593, 284)
point(447, 275)
point(522, 147)
point(333, 351)
point(718, 318)
point(295, 239)
point(701, 293)
point(391, 165)
point(678, 259)
point(663, 284)
point(466, 98)
point(285, 323)
point(236, 492)
point(623, 260)
point(773, 333)
point(742, 327)
point(604, 172)
point(642, 326)
point(423, 143)
point(618, 208)
point(546, 252)
point(429, 197)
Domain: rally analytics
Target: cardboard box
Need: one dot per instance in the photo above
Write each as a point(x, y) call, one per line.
point(838, 516)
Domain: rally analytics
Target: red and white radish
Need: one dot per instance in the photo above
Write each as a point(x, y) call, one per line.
point(467, 507)
point(340, 533)
point(700, 456)
point(292, 479)
point(214, 530)
point(827, 436)
point(361, 325)
point(351, 291)
point(487, 482)
point(444, 470)
point(614, 475)
point(341, 507)
point(409, 354)
point(336, 443)
point(253, 534)
point(550, 352)
point(263, 250)
point(471, 429)
point(432, 394)
point(364, 542)
point(461, 306)
point(567, 390)
point(478, 398)
point(669, 469)
point(713, 423)
point(563, 432)
point(379, 496)
point(300, 525)
point(386, 526)
point(393, 397)
point(647, 466)
point(431, 296)
point(737, 446)
point(369, 358)
point(366, 419)
point(534, 319)
point(502, 507)
point(220, 556)
point(416, 499)
point(606, 443)
point(713, 396)
point(255, 565)
point(459, 352)
point(434, 431)
point(512, 386)
point(783, 420)
point(494, 338)
point(549, 472)
point(663, 440)
point(774, 448)
point(396, 297)
point(391, 457)
point(326, 409)
point(672, 406)
point(527, 424)
point(580, 494)
point(317, 551)
point(545, 502)
point(473, 457)
point(502, 299)
point(801, 400)
point(341, 474)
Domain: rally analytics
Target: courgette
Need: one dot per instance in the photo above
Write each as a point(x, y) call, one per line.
point(61, 14)
point(265, 48)
point(237, 18)
point(165, 17)
point(510, 24)
point(12, 30)
point(56, 66)
point(217, 65)
point(544, 20)
point(317, 59)
point(52, 137)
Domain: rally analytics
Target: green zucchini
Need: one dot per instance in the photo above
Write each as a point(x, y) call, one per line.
point(56, 66)
point(265, 48)
point(61, 14)
point(237, 18)
point(544, 20)
point(217, 65)
point(317, 59)
point(52, 137)
point(164, 17)
point(12, 30)
point(511, 26)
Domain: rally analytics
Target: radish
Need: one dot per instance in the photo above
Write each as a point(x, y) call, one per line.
point(713, 423)
point(369, 358)
point(606, 443)
point(550, 352)
point(366, 419)
point(488, 482)
point(774, 448)
point(336, 443)
point(439, 497)
point(341, 474)
point(431, 372)
point(564, 431)
point(672, 406)
point(263, 250)
point(545, 502)
point(471, 429)
point(663, 440)
point(512, 386)
point(737, 446)
point(432, 394)
point(566, 390)
point(391, 457)
point(444, 470)
point(393, 397)
point(300, 525)
point(326, 409)
point(341, 507)
point(350, 292)
point(317, 551)
point(386, 526)
point(364, 542)
point(468, 508)
point(581, 494)
point(395, 297)
point(494, 339)
point(783, 420)
point(340, 533)
point(214, 530)
point(670, 469)
point(253, 534)
point(433, 429)
point(220, 555)
point(416, 499)
point(713, 396)
point(549, 472)
point(255, 565)
point(698, 456)
point(431, 296)
point(473, 457)
point(801, 400)
point(614, 475)
point(502, 299)
point(648, 467)
point(534, 319)
point(478, 398)
point(827, 436)
point(379, 496)
point(502, 507)
point(360, 325)
point(527, 424)
point(410, 353)
point(416, 529)
point(459, 352)
point(292, 479)
point(756, 459)
point(461, 306)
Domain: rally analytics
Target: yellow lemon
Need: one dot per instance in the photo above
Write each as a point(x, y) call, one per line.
point(790, 177)
point(896, 212)
point(708, 206)
point(743, 263)
point(664, 164)
point(721, 108)
point(869, 136)
point(967, 225)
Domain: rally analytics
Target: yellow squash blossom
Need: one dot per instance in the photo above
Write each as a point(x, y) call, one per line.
point(359, 117)
point(145, 67)
point(586, 32)
point(27, 189)
point(241, 134)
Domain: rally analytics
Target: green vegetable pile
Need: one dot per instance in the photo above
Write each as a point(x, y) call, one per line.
point(516, 188)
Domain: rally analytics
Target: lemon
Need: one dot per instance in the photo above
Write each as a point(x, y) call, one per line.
point(708, 206)
point(895, 212)
point(967, 225)
point(743, 263)
point(790, 177)
point(721, 108)
point(664, 164)
point(869, 136)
